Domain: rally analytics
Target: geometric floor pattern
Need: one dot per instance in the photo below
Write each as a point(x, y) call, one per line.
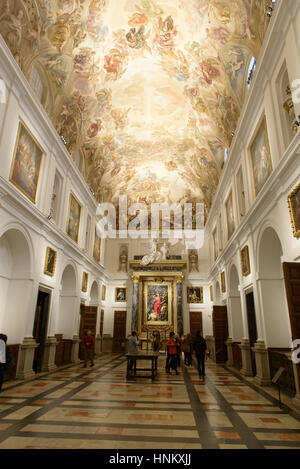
point(94, 408)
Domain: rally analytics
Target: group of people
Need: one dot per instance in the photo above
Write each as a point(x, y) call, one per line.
point(176, 345)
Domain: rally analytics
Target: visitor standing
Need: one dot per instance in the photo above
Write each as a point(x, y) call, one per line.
point(199, 347)
point(88, 344)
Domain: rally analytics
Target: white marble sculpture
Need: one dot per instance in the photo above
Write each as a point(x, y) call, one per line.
point(155, 253)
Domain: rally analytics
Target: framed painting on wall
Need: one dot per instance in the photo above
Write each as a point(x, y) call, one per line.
point(294, 207)
point(229, 216)
point(223, 282)
point(195, 294)
point(85, 278)
point(97, 247)
point(245, 261)
point(158, 303)
point(26, 165)
point(50, 262)
point(74, 216)
point(211, 291)
point(121, 294)
point(260, 157)
point(103, 292)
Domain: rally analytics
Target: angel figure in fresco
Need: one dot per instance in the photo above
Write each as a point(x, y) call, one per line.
point(61, 32)
point(12, 29)
point(150, 8)
point(166, 33)
point(136, 38)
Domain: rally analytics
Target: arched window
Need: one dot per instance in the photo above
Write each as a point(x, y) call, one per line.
point(251, 71)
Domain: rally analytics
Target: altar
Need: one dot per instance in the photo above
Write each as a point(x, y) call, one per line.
point(157, 300)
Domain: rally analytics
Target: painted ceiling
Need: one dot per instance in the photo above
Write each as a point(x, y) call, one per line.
point(149, 91)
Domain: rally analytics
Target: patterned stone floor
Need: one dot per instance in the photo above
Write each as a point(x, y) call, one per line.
point(89, 408)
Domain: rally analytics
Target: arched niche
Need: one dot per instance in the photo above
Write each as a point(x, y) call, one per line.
point(235, 306)
point(68, 306)
point(94, 295)
point(272, 290)
point(15, 283)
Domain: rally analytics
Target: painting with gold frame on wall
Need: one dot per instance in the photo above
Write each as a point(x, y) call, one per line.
point(229, 216)
point(294, 207)
point(121, 294)
point(245, 261)
point(260, 157)
point(85, 278)
point(223, 282)
point(211, 291)
point(50, 262)
point(97, 247)
point(74, 217)
point(215, 247)
point(26, 165)
point(103, 296)
point(158, 303)
point(194, 294)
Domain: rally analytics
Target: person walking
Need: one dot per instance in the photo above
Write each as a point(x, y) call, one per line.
point(6, 359)
point(199, 347)
point(172, 347)
point(133, 343)
point(187, 346)
point(88, 344)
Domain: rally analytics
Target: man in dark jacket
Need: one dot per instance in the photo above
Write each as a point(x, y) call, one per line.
point(199, 347)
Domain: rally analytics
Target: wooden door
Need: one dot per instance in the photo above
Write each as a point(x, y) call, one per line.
point(40, 329)
point(252, 328)
point(291, 271)
point(119, 339)
point(196, 323)
point(101, 327)
point(88, 321)
point(220, 331)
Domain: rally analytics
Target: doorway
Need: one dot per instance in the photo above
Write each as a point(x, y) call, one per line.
point(251, 327)
point(40, 329)
point(119, 338)
point(220, 331)
point(196, 323)
point(88, 321)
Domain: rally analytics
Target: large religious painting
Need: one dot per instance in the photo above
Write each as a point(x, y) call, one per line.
point(97, 247)
point(195, 294)
point(260, 157)
point(103, 296)
point(74, 219)
point(158, 303)
point(26, 165)
point(121, 295)
point(215, 246)
point(230, 216)
point(223, 282)
point(245, 261)
point(50, 262)
point(294, 206)
point(85, 278)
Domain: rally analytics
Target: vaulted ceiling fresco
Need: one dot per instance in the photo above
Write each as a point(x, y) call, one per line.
point(149, 91)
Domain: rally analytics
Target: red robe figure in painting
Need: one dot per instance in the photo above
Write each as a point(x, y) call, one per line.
point(157, 303)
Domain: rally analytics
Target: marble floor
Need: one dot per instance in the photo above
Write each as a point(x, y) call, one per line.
point(94, 408)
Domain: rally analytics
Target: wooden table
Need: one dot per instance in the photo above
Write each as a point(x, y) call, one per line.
point(145, 356)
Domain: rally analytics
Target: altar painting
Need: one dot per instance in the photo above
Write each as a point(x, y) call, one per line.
point(158, 303)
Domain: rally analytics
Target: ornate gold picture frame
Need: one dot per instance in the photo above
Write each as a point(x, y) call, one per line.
point(26, 165)
point(121, 294)
point(294, 207)
point(223, 282)
point(103, 296)
point(260, 157)
point(245, 261)
point(195, 295)
point(74, 217)
point(158, 298)
point(85, 279)
point(211, 292)
point(50, 262)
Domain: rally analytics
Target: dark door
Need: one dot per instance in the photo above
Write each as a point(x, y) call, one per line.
point(252, 327)
point(291, 271)
point(101, 326)
point(119, 339)
point(88, 321)
point(196, 323)
point(220, 331)
point(40, 329)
